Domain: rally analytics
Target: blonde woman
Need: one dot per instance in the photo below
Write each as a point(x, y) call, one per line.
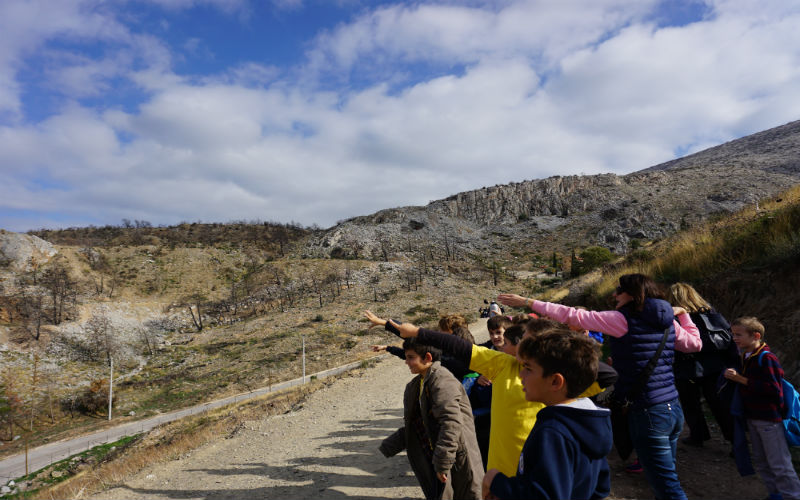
point(697, 374)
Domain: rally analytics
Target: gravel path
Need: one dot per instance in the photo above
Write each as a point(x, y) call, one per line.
point(327, 449)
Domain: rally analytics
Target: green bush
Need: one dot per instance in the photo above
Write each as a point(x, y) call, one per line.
point(591, 258)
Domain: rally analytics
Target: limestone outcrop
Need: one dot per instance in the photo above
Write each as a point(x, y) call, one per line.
point(20, 252)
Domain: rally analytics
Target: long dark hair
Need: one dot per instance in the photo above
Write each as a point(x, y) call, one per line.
point(639, 287)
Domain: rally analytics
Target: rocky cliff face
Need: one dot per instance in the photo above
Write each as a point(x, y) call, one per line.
point(559, 213)
point(19, 252)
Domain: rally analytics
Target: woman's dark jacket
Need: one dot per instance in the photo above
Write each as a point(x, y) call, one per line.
point(632, 351)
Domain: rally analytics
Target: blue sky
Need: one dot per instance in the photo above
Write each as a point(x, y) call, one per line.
point(316, 111)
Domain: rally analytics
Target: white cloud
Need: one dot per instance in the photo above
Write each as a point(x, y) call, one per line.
point(455, 34)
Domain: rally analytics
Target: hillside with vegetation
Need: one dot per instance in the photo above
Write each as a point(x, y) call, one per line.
point(210, 312)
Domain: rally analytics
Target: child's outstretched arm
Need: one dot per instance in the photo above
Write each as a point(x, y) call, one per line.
point(391, 349)
point(394, 444)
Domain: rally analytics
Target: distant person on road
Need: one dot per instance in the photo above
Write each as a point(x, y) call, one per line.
point(438, 433)
point(645, 331)
point(697, 374)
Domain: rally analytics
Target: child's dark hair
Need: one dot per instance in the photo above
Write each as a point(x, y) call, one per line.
point(464, 333)
point(639, 287)
point(573, 355)
point(535, 326)
point(498, 321)
point(421, 349)
point(450, 322)
point(514, 334)
point(520, 319)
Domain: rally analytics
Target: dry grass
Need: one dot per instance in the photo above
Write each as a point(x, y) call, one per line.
point(746, 240)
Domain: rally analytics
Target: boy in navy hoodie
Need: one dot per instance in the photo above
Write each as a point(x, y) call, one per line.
point(565, 453)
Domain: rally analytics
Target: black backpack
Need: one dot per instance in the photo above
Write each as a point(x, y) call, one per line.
point(715, 332)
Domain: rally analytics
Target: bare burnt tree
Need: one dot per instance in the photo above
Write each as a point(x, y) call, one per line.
point(384, 246)
point(276, 274)
point(56, 280)
point(374, 281)
point(355, 245)
point(348, 274)
point(280, 234)
point(447, 239)
point(316, 286)
point(195, 302)
point(32, 312)
point(151, 330)
point(11, 406)
point(33, 264)
point(101, 334)
point(411, 279)
point(146, 337)
point(334, 279)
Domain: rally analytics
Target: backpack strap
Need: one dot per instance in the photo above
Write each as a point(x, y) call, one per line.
point(785, 402)
point(644, 375)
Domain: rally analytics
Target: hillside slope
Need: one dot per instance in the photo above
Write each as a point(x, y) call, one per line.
point(560, 213)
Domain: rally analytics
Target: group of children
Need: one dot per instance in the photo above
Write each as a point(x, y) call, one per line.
point(548, 438)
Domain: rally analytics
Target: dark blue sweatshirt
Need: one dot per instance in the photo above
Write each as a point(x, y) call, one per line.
point(563, 457)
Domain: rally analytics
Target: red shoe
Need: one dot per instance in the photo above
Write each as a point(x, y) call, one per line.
point(634, 467)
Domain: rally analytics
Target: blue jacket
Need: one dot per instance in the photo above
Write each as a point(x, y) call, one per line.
point(633, 351)
point(563, 457)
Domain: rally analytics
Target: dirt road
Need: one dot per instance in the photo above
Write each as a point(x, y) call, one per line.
point(326, 449)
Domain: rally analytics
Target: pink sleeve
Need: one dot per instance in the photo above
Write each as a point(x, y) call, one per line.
point(687, 336)
point(609, 322)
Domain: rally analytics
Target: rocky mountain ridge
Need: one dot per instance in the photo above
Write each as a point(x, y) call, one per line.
point(559, 213)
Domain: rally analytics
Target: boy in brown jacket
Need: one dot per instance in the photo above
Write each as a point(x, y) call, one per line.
point(438, 435)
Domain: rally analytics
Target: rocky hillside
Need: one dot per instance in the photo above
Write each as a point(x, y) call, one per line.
point(560, 213)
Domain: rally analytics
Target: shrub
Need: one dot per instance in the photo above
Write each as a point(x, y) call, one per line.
point(93, 399)
point(591, 258)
